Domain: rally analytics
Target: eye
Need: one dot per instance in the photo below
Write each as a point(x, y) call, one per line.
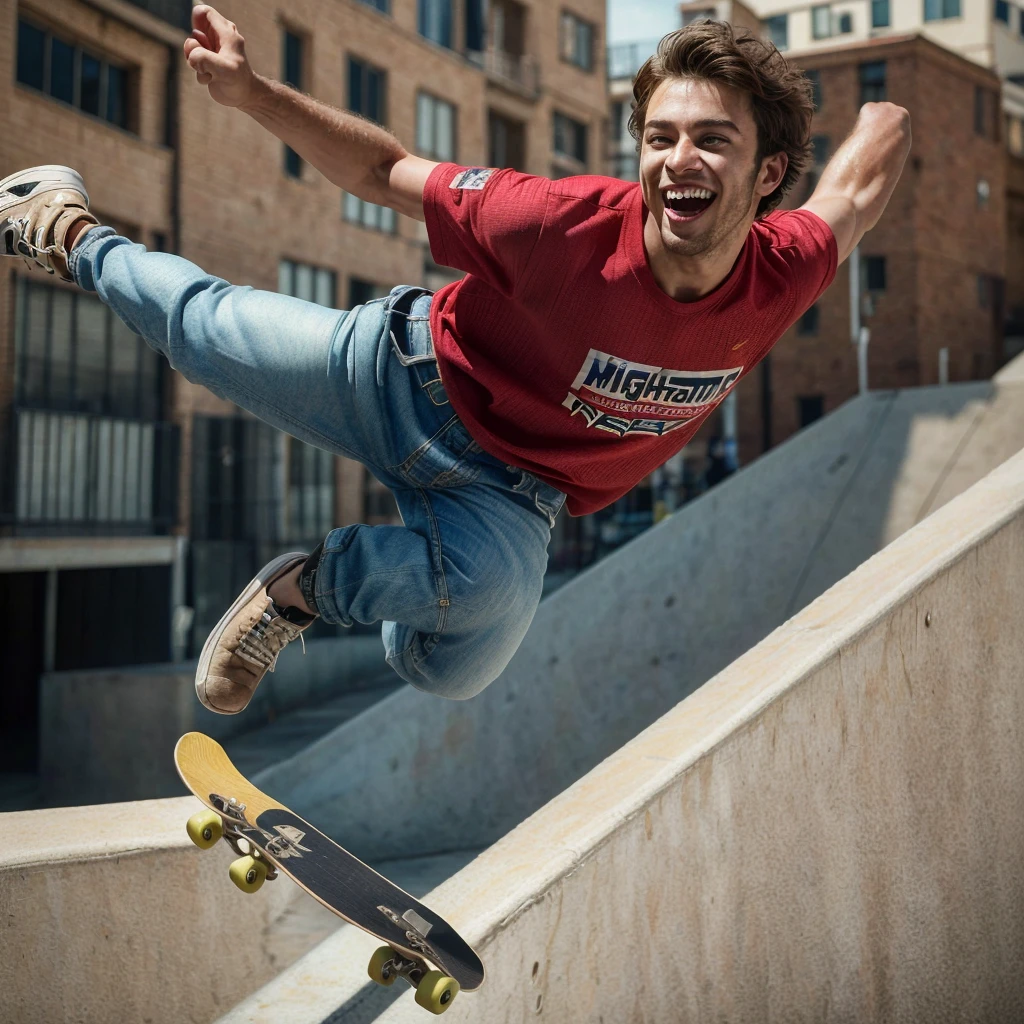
point(713, 139)
point(658, 138)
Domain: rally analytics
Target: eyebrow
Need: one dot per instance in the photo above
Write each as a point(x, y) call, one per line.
point(708, 122)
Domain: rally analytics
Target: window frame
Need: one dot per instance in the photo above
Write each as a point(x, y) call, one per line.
point(568, 40)
point(433, 152)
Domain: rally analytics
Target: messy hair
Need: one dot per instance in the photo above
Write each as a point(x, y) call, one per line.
point(781, 93)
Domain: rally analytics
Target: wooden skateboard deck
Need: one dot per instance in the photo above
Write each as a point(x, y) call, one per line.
point(327, 871)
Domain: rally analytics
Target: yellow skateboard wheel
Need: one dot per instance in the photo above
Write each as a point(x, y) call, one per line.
point(204, 829)
point(248, 873)
point(436, 991)
point(381, 970)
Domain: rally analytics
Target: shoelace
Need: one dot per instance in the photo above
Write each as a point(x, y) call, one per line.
point(262, 644)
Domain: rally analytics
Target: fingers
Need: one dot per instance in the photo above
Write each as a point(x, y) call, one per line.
point(219, 31)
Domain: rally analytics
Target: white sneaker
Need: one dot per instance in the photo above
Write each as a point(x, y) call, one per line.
point(37, 206)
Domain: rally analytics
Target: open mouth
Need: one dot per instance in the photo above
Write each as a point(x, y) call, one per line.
point(686, 204)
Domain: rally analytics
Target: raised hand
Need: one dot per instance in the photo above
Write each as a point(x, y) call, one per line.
point(216, 52)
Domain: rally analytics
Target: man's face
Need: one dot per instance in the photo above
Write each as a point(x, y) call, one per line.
point(701, 135)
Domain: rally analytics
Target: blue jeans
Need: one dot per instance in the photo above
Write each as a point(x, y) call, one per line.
point(456, 586)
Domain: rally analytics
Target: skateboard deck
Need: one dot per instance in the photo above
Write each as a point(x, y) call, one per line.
point(270, 838)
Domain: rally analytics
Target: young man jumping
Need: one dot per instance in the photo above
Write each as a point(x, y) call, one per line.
point(599, 323)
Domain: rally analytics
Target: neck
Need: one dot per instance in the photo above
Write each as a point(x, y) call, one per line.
point(689, 278)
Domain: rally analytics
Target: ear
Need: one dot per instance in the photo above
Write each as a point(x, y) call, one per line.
point(773, 170)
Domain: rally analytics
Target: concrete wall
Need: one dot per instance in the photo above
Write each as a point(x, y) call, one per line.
point(630, 638)
point(108, 735)
point(832, 829)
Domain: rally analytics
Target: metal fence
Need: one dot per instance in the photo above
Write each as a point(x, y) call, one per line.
point(80, 474)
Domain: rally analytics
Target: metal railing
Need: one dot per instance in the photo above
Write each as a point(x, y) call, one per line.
point(522, 72)
point(626, 59)
point(75, 474)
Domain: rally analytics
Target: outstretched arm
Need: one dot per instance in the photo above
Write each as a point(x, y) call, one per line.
point(858, 181)
point(353, 153)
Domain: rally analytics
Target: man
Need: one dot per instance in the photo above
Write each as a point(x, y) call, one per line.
point(600, 322)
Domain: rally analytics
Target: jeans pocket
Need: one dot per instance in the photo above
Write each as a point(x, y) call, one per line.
point(448, 459)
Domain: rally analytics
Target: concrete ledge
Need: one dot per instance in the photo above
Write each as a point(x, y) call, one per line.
point(831, 828)
point(110, 913)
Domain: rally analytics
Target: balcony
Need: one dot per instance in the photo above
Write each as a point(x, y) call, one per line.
point(520, 73)
point(626, 59)
point(75, 474)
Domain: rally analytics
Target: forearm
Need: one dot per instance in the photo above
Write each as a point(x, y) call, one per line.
point(349, 151)
point(867, 166)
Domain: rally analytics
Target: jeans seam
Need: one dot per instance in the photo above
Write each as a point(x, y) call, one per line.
point(440, 581)
point(408, 463)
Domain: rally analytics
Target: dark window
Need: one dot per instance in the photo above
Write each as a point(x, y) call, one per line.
point(880, 13)
point(872, 82)
point(62, 71)
point(366, 90)
point(72, 75)
point(815, 79)
point(777, 28)
point(360, 292)
point(845, 23)
point(808, 323)
point(570, 138)
point(90, 84)
point(74, 355)
point(810, 408)
point(819, 146)
point(476, 25)
point(31, 55)
point(874, 273)
point(1002, 12)
point(506, 142)
point(381, 5)
point(292, 73)
point(936, 10)
point(577, 41)
point(435, 21)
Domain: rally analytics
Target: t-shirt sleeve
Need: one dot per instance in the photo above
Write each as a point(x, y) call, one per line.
point(485, 221)
point(810, 251)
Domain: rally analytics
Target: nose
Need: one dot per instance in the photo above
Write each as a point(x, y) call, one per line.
point(685, 156)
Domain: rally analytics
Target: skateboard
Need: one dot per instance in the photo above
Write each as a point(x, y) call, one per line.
point(269, 840)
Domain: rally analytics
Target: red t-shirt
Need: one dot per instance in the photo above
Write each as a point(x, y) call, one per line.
point(560, 353)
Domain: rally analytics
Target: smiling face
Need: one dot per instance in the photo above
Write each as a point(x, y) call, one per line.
point(699, 168)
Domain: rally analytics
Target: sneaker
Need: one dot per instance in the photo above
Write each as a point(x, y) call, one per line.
point(247, 641)
point(37, 207)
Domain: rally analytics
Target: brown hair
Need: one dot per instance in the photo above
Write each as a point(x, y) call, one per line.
point(781, 93)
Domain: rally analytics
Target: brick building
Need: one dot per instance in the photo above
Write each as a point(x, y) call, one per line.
point(134, 505)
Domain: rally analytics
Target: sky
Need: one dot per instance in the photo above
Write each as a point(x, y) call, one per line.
point(633, 20)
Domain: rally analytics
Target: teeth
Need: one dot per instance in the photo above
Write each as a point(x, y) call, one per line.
point(690, 193)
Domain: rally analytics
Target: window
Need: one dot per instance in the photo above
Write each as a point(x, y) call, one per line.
point(368, 215)
point(937, 10)
point(360, 292)
point(821, 21)
point(72, 75)
point(986, 113)
point(814, 77)
point(506, 142)
point(366, 90)
point(381, 5)
point(810, 408)
point(570, 138)
point(845, 24)
point(873, 273)
point(577, 41)
point(476, 25)
point(1002, 12)
point(1015, 135)
point(808, 323)
point(435, 128)
point(314, 284)
point(872, 82)
point(74, 355)
point(819, 147)
point(777, 29)
point(291, 64)
point(310, 499)
point(880, 16)
point(435, 21)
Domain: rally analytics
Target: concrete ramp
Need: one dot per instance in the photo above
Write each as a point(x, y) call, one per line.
point(627, 640)
point(831, 829)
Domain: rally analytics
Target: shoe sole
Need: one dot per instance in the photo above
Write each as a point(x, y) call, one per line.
point(260, 581)
point(56, 175)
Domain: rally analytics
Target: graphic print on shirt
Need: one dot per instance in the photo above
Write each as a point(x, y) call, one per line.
point(623, 398)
